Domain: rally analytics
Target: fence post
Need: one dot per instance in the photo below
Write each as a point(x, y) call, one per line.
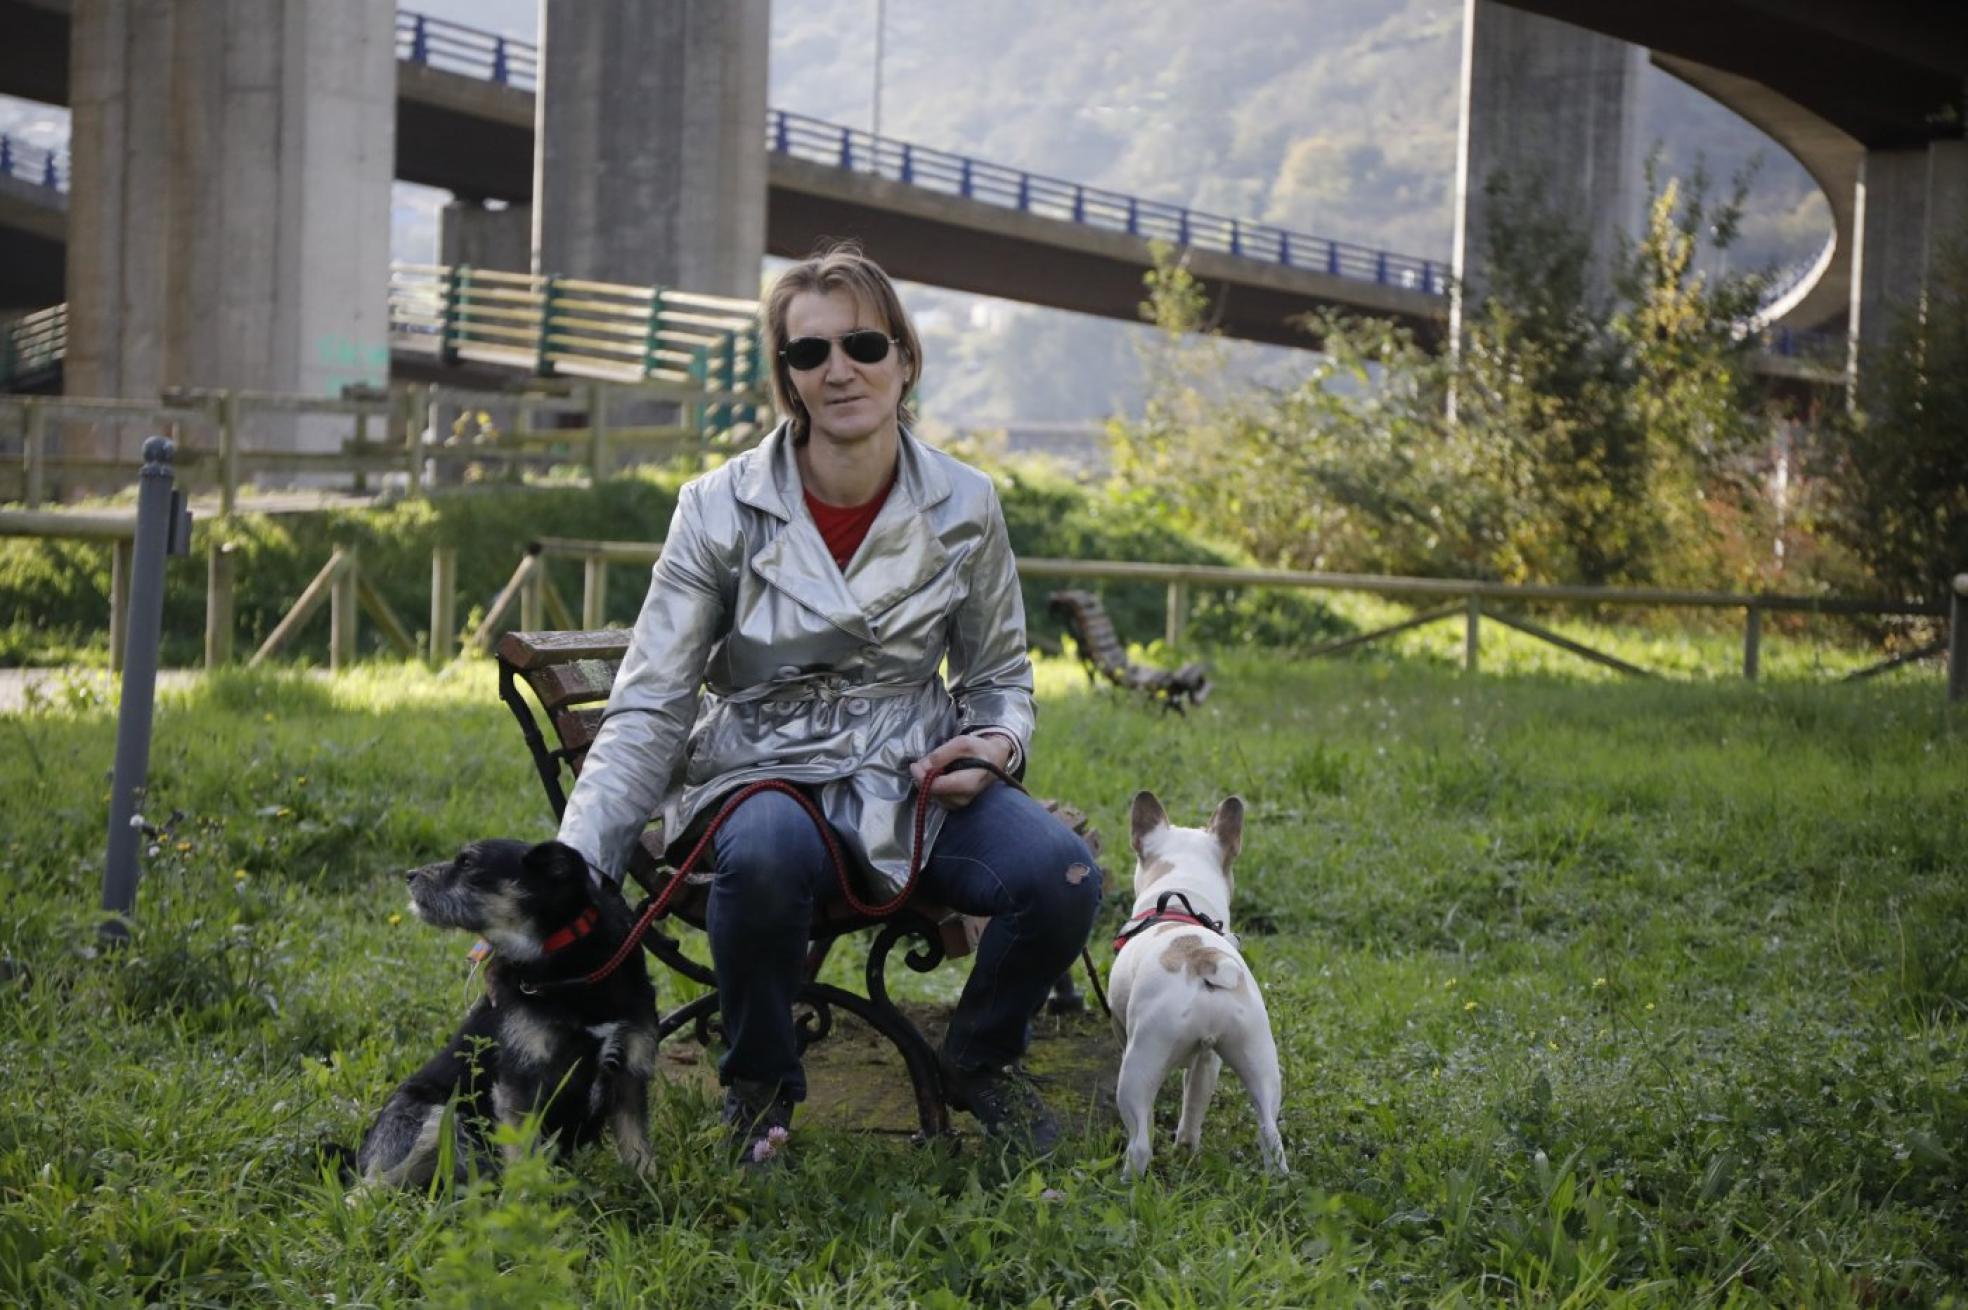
point(157, 535)
point(1752, 642)
point(218, 604)
point(1176, 614)
point(594, 592)
point(411, 411)
point(533, 596)
point(1958, 639)
point(341, 612)
point(597, 433)
point(1472, 633)
point(444, 604)
point(228, 451)
point(34, 453)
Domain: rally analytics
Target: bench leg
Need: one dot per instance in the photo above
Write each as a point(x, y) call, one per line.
point(876, 1009)
point(1066, 997)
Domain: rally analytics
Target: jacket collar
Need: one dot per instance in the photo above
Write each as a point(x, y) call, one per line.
point(901, 553)
point(770, 479)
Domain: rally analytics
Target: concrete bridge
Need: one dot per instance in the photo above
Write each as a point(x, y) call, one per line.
point(465, 116)
point(296, 200)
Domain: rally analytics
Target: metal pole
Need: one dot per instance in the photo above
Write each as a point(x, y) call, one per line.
point(34, 453)
point(1753, 643)
point(874, 117)
point(119, 601)
point(1472, 634)
point(1958, 639)
point(154, 537)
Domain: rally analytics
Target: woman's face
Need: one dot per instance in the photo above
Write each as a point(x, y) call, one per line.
point(846, 401)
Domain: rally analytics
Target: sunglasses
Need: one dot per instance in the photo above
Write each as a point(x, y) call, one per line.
point(864, 346)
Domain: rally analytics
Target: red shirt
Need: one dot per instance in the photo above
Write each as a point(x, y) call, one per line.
point(844, 528)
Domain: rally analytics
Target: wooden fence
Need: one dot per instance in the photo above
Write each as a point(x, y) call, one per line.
point(531, 590)
point(395, 431)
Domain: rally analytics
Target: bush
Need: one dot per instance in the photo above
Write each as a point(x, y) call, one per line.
point(54, 605)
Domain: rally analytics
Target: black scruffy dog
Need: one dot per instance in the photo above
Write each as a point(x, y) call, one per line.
point(585, 1053)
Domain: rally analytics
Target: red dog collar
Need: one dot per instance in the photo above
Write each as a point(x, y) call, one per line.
point(583, 924)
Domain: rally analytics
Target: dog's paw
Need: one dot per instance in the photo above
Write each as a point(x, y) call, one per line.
point(637, 1155)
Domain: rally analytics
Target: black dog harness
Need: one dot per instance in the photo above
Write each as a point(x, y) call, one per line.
point(1147, 919)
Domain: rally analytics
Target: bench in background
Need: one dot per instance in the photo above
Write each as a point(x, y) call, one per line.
point(1103, 655)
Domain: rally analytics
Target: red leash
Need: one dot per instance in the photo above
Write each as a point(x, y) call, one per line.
point(659, 904)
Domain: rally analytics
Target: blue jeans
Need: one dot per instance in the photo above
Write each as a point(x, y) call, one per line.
point(1002, 855)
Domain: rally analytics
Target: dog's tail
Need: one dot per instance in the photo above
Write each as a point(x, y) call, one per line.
point(1219, 971)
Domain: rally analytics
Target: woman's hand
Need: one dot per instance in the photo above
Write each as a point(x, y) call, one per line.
point(953, 791)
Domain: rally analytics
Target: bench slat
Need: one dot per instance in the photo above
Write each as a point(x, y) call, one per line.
point(576, 729)
point(576, 682)
point(527, 651)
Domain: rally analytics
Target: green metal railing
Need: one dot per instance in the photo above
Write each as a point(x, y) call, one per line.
point(31, 347)
point(702, 351)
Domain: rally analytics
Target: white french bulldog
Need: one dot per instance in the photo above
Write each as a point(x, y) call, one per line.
point(1181, 993)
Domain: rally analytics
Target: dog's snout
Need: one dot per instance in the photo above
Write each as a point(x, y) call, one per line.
point(411, 875)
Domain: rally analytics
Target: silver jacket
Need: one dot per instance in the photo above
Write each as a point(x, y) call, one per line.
point(755, 657)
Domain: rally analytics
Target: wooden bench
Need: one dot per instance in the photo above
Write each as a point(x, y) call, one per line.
point(1103, 655)
point(570, 674)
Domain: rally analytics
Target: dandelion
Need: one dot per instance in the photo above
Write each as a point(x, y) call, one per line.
point(1598, 983)
point(1650, 1005)
point(1548, 1042)
point(183, 846)
point(283, 812)
point(1449, 986)
point(266, 718)
point(239, 875)
point(1467, 1006)
point(395, 919)
point(300, 780)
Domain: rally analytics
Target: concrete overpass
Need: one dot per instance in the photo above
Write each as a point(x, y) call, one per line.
point(931, 216)
point(1871, 96)
point(464, 120)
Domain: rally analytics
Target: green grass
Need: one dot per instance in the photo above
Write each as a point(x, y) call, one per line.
point(1589, 992)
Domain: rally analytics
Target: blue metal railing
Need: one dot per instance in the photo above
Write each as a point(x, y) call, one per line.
point(1803, 343)
point(456, 48)
point(31, 163)
point(473, 52)
point(1113, 211)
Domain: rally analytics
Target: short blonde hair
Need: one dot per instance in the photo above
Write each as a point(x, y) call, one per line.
point(836, 266)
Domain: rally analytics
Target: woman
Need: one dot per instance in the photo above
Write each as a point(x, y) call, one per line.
point(812, 588)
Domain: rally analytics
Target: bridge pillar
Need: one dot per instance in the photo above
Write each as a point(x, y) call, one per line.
point(229, 218)
point(1912, 203)
point(1550, 106)
point(470, 233)
point(649, 164)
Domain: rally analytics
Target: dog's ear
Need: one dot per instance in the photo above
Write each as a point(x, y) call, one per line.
point(1227, 824)
point(1146, 815)
point(559, 861)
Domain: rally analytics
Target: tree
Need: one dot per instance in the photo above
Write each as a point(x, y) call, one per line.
point(1595, 436)
point(1899, 470)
